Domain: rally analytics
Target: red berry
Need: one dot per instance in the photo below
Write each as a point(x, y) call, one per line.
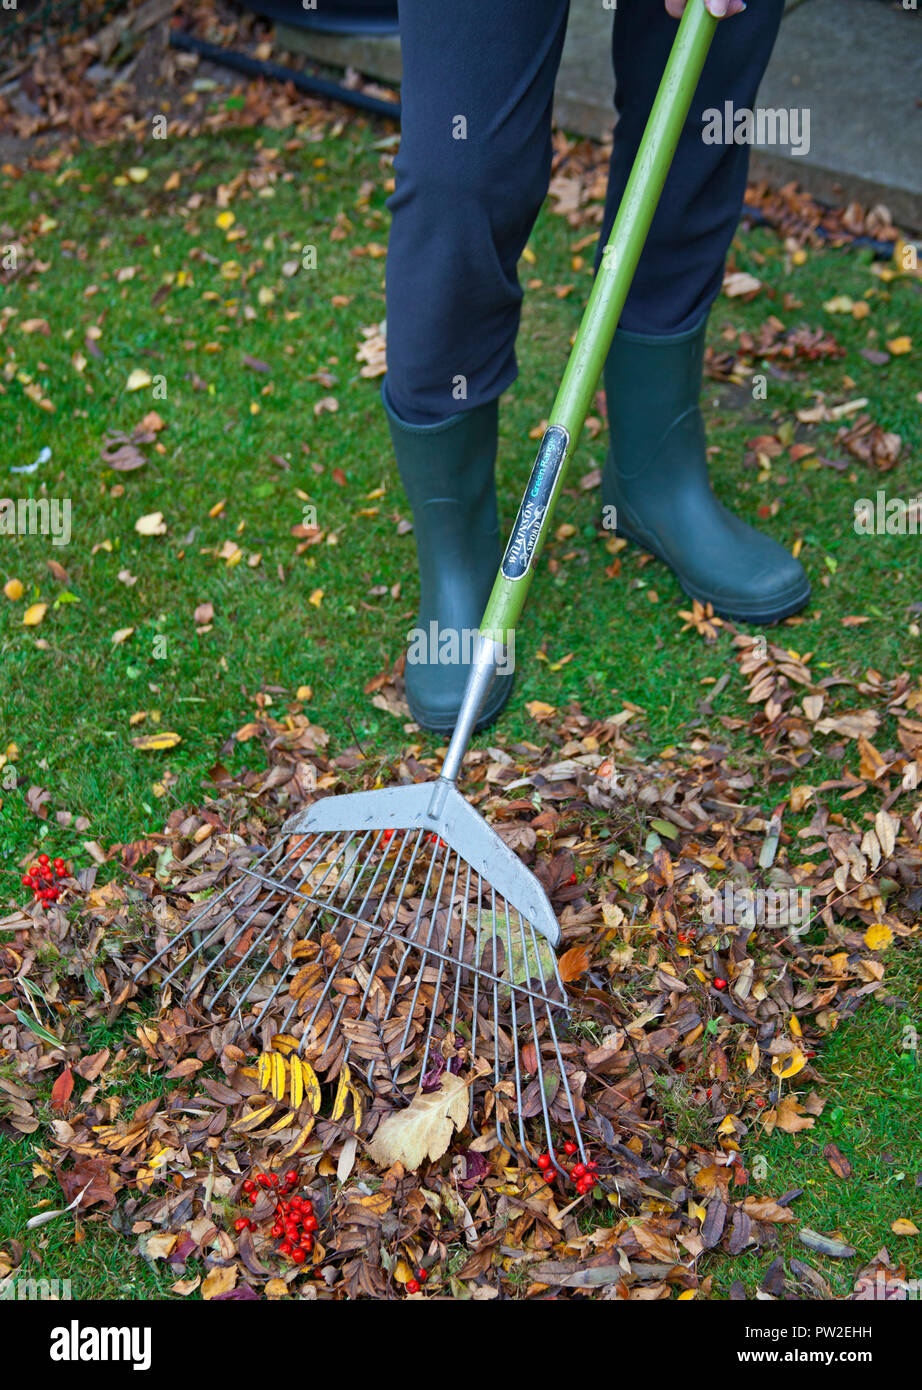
point(273, 1179)
point(291, 1177)
point(569, 1147)
point(62, 872)
point(387, 835)
point(277, 1231)
point(572, 878)
point(262, 1179)
point(252, 1198)
point(34, 871)
point(550, 1175)
point(249, 1185)
point(26, 881)
point(720, 983)
point(43, 859)
point(578, 1170)
point(285, 1247)
point(306, 1206)
point(310, 1223)
point(299, 1254)
point(544, 1160)
point(242, 1223)
point(412, 1286)
point(422, 1274)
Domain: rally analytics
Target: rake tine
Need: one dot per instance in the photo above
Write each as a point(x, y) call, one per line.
point(497, 1075)
point(356, 922)
point(553, 1032)
point(406, 951)
point(441, 974)
point(515, 1031)
point(190, 927)
point(284, 937)
point(322, 906)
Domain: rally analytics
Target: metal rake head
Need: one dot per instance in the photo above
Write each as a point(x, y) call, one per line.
point(395, 931)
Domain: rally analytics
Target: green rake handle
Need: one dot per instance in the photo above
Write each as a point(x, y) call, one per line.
point(601, 315)
point(596, 330)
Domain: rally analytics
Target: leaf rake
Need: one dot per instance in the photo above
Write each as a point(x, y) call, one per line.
point(393, 931)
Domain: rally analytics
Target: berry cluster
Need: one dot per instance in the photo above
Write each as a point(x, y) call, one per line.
point(295, 1222)
point(413, 1285)
point(584, 1175)
point(41, 878)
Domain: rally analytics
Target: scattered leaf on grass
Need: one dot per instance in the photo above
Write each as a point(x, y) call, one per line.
point(156, 743)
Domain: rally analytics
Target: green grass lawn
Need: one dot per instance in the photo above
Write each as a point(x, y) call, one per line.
point(141, 276)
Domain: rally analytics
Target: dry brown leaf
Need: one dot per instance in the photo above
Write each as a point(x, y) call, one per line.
point(425, 1128)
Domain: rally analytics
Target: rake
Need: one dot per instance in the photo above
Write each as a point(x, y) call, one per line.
point(393, 932)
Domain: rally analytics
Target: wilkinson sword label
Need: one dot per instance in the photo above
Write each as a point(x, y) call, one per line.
point(520, 551)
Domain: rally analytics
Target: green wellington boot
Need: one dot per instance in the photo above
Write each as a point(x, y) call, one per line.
point(656, 478)
point(448, 473)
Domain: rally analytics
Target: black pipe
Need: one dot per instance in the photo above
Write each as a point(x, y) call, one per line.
point(254, 67)
point(883, 250)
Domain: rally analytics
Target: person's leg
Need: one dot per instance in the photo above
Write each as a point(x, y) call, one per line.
point(471, 174)
point(656, 476)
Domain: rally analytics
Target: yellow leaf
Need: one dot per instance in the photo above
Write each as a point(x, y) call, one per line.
point(901, 345)
point(316, 598)
point(311, 1085)
point(790, 1065)
point(686, 1295)
point(304, 692)
point(219, 1279)
point(342, 1093)
point(13, 589)
point(34, 614)
point(297, 1084)
point(795, 1026)
point(878, 936)
point(539, 709)
point(284, 1043)
point(156, 743)
point(264, 1071)
point(425, 1128)
point(279, 1076)
point(121, 635)
point(902, 1226)
point(225, 220)
point(299, 1141)
point(137, 173)
point(150, 525)
point(255, 1117)
point(138, 379)
point(841, 304)
point(283, 1123)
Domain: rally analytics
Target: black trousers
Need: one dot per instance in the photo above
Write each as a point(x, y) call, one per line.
point(473, 169)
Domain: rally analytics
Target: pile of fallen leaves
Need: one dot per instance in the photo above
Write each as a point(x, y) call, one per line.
point(91, 76)
point(689, 1032)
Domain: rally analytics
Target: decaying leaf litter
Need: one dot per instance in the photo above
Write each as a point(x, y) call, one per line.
point(729, 1019)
